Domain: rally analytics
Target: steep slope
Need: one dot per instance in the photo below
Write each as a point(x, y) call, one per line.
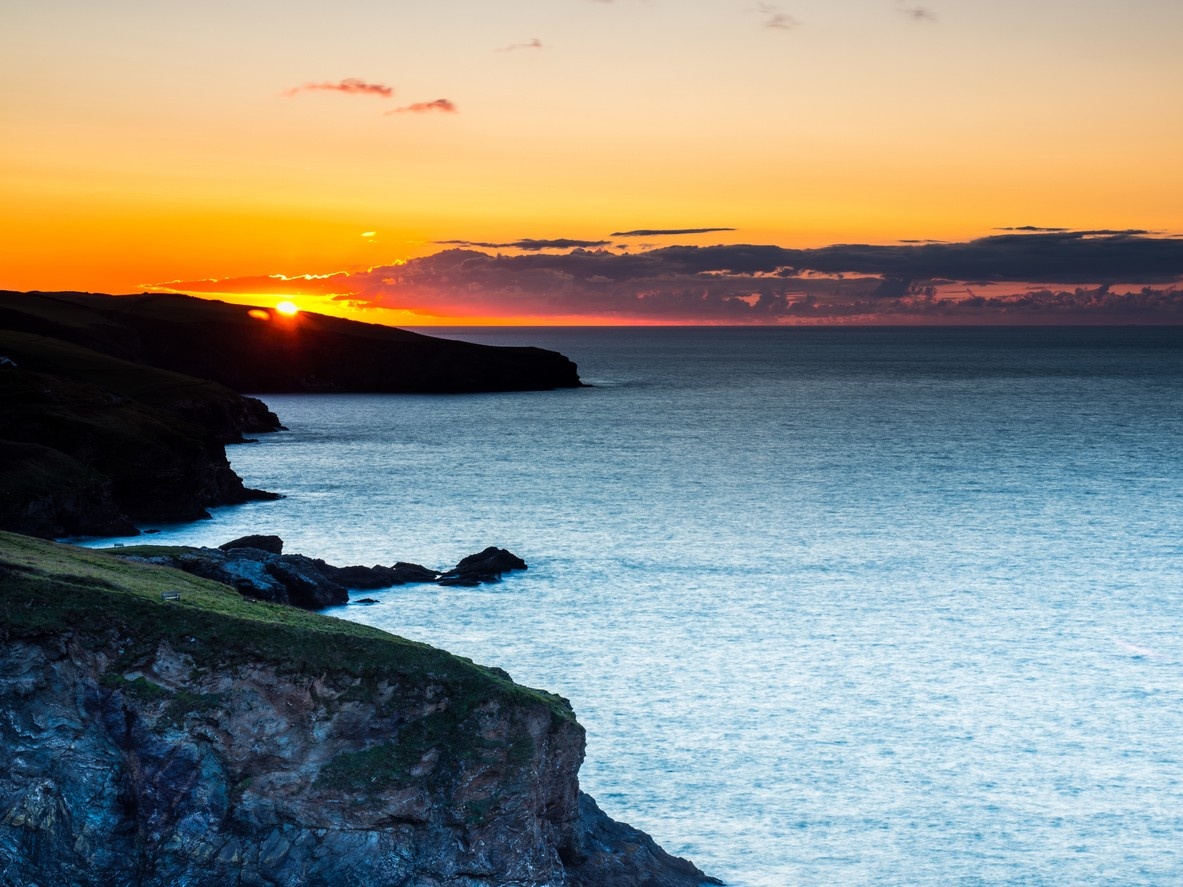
point(90, 443)
point(210, 740)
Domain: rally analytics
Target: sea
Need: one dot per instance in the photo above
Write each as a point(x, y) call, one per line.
point(856, 606)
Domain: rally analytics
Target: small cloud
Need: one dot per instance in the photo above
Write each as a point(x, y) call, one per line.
point(1031, 228)
point(442, 105)
point(369, 234)
point(531, 44)
point(774, 18)
point(916, 13)
point(351, 86)
point(527, 243)
point(659, 232)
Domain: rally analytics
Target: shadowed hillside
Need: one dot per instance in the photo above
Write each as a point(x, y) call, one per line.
point(309, 352)
point(90, 443)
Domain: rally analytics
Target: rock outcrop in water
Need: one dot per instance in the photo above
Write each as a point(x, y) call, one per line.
point(210, 741)
point(256, 567)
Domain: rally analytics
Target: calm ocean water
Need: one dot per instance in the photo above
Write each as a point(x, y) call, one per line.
point(837, 607)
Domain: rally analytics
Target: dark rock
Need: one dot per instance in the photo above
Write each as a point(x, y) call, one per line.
point(492, 558)
point(367, 578)
point(465, 581)
point(305, 584)
point(360, 600)
point(409, 573)
point(485, 566)
point(378, 576)
point(606, 853)
point(272, 544)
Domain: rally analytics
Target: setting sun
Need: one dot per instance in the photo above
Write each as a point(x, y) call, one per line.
point(288, 309)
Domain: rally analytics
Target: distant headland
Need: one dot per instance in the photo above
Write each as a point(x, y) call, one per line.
point(116, 409)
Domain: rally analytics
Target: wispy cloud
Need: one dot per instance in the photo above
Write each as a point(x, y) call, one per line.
point(916, 13)
point(443, 105)
point(529, 44)
point(660, 232)
point(350, 86)
point(528, 243)
point(1031, 228)
point(775, 18)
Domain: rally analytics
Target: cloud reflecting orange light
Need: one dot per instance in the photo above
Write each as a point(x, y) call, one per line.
point(1017, 275)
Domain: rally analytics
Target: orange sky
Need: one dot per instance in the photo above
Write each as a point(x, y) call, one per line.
point(147, 143)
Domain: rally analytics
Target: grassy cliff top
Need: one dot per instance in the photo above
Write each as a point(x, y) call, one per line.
point(48, 588)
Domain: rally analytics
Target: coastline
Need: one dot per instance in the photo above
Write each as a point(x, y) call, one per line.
point(98, 442)
point(200, 736)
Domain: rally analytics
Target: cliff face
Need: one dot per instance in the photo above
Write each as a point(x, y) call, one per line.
point(90, 443)
point(215, 741)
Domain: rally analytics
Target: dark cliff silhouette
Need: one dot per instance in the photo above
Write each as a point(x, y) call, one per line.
point(271, 353)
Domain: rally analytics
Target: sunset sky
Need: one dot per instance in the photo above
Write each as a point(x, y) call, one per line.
point(602, 160)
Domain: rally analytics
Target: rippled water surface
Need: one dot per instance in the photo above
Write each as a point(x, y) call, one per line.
point(837, 607)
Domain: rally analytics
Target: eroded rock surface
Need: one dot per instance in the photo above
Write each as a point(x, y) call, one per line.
point(207, 742)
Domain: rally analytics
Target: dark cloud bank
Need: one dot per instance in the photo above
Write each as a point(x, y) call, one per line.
point(1014, 277)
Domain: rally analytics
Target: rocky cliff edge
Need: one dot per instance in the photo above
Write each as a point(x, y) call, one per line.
point(162, 730)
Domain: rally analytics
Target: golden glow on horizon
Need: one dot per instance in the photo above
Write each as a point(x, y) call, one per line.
point(288, 309)
point(122, 169)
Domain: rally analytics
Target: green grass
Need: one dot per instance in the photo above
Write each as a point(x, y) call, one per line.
point(47, 589)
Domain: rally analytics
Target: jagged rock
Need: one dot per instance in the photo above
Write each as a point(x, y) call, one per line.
point(305, 584)
point(378, 576)
point(607, 853)
point(272, 544)
point(485, 566)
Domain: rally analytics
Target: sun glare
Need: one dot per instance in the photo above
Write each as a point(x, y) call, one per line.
point(288, 309)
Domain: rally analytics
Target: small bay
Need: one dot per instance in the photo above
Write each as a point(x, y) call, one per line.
point(836, 606)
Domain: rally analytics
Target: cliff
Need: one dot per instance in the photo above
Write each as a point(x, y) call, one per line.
point(90, 443)
point(310, 352)
point(212, 740)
